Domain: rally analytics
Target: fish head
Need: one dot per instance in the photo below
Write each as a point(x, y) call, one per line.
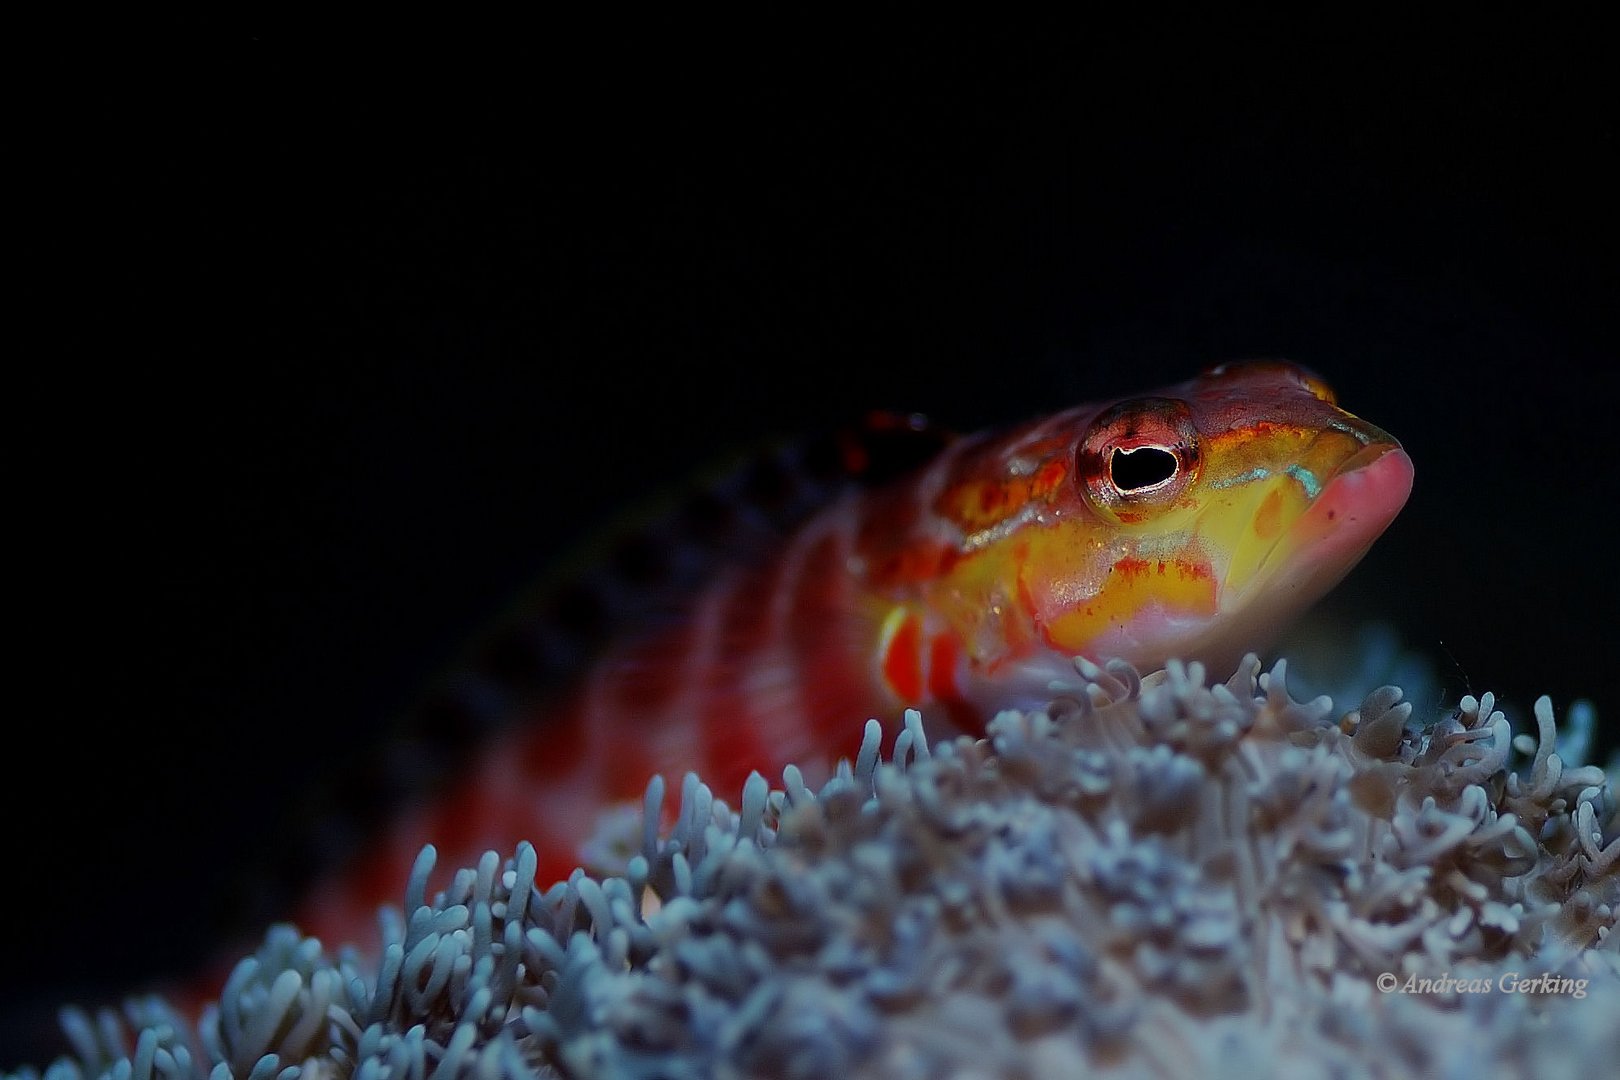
point(1191, 522)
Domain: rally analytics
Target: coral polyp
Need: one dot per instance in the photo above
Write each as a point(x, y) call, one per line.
point(1152, 876)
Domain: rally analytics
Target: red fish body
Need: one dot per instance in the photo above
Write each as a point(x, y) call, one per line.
point(1192, 522)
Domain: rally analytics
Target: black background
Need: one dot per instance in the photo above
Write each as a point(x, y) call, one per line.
point(321, 354)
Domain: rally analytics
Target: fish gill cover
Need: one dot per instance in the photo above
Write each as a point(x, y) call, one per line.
point(1157, 876)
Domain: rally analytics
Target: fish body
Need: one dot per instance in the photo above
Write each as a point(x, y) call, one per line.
point(1189, 522)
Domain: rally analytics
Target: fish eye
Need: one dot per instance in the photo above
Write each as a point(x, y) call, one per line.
point(1138, 455)
point(1137, 468)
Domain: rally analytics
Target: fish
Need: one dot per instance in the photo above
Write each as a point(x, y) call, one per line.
point(1192, 522)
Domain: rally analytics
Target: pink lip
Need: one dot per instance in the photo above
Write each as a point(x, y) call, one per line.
point(1357, 505)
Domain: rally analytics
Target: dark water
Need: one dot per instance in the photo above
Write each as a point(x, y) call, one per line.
point(338, 351)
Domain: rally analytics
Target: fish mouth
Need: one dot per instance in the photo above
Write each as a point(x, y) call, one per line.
point(1369, 454)
point(1359, 500)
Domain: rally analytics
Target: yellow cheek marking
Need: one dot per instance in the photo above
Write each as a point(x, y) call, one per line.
point(1268, 519)
point(1134, 586)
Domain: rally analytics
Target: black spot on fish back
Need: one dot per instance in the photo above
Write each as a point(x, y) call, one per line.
point(645, 576)
point(887, 446)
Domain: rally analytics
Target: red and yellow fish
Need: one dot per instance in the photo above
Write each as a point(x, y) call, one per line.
point(1190, 522)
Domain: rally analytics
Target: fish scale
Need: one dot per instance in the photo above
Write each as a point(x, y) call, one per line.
point(889, 568)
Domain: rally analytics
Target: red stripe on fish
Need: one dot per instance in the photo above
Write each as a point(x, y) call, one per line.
point(1179, 523)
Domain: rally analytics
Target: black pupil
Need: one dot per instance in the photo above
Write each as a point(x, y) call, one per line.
point(1142, 467)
